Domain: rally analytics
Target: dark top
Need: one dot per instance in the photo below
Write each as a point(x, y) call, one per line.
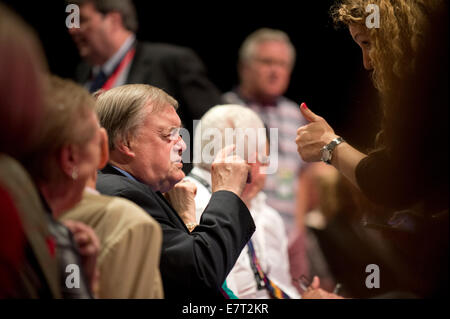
point(192, 264)
point(410, 174)
point(413, 165)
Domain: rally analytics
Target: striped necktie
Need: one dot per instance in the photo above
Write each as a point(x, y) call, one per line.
point(261, 278)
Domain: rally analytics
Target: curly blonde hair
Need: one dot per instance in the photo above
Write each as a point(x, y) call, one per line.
point(394, 45)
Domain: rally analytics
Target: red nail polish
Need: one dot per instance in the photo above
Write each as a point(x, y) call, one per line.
point(304, 106)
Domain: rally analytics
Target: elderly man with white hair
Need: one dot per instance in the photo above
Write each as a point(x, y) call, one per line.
point(262, 269)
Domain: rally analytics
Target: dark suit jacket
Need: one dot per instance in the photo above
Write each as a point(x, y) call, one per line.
point(192, 264)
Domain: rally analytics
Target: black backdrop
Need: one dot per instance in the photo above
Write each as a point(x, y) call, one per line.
point(328, 75)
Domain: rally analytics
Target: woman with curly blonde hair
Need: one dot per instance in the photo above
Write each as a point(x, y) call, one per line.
point(390, 47)
point(405, 44)
point(391, 50)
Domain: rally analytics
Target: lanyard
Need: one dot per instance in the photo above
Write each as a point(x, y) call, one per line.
point(256, 267)
point(122, 65)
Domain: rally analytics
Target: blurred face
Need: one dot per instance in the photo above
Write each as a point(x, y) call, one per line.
point(266, 76)
point(360, 35)
point(21, 101)
point(93, 38)
point(157, 148)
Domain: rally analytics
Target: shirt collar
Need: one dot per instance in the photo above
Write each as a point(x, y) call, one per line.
point(109, 66)
point(125, 173)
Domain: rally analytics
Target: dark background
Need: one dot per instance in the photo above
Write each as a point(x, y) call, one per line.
point(328, 75)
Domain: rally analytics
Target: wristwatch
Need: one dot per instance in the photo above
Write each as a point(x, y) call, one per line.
point(327, 150)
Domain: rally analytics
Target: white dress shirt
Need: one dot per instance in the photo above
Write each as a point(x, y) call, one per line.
point(269, 240)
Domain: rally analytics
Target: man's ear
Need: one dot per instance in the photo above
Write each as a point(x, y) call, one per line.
point(68, 158)
point(116, 20)
point(125, 146)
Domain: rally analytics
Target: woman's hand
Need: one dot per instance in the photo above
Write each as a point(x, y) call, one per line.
point(89, 248)
point(313, 136)
point(315, 292)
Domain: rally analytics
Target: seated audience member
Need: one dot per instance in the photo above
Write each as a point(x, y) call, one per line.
point(106, 41)
point(315, 197)
point(266, 254)
point(130, 240)
point(65, 152)
point(145, 160)
point(28, 267)
point(408, 56)
point(343, 248)
point(266, 60)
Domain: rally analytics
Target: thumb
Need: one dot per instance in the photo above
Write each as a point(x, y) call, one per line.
point(315, 283)
point(308, 114)
point(223, 153)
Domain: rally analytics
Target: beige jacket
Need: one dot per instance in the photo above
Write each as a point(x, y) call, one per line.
point(130, 246)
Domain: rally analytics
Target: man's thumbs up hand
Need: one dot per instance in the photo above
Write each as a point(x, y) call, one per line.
point(313, 136)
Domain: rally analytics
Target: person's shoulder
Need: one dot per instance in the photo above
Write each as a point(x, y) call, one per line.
point(128, 211)
point(232, 97)
point(139, 193)
point(90, 210)
point(288, 104)
point(116, 215)
point(122, 222)
point(164, 50)
point(114, 185)
point(287, 101)
point(290, 109)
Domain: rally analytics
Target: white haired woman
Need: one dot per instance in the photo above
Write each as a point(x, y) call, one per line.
point(65, 153)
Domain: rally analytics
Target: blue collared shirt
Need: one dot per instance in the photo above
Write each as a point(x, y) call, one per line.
point(125, 173)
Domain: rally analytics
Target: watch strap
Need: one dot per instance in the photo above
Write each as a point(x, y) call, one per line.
point(330, 147)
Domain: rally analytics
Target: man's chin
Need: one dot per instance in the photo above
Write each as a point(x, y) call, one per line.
point(174, 179)
point(178, 165)
point(178, 174)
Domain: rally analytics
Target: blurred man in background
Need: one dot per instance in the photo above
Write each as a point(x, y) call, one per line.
point(106, 41)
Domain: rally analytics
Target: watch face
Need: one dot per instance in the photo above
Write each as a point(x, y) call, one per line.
point(325, 154)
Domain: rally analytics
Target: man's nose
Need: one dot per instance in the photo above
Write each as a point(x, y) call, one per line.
point(181, 145)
